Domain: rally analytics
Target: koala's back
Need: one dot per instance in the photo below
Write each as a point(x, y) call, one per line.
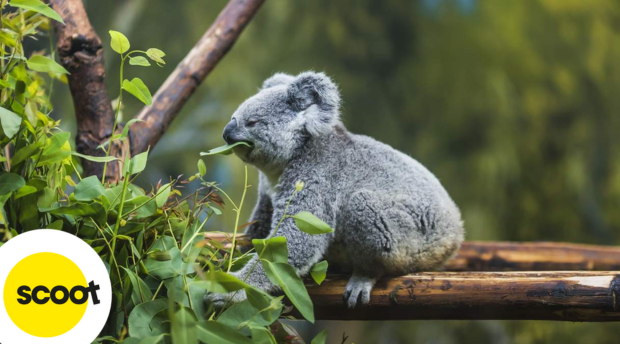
point(391, 205)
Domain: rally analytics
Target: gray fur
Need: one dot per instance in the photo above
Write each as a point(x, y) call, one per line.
point(391, 215)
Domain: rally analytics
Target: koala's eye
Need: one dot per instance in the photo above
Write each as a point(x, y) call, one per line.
point(251, 122)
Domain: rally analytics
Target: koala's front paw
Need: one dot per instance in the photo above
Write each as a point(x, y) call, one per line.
point(359, 287)
point(220, 300)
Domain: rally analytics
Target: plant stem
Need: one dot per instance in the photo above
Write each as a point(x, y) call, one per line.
point(120, 211)
point(232, 249)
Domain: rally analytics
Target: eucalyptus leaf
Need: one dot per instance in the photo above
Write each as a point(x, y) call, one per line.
point(10, 122)
point(272, 249)
point(184, 329)
point(95, 158)
point(139, 61)
point(262, 335)
point(139, 90)
point(202, 168)
point(320, 338)
point(319, 272)
point(119, 42)
point(220, 282)
point(140, 291)
point(141, 316)
point(226, 149)
point(88, 189)
point(215, 332)
point(156, 55)
point(137, 163)
point(286, 277)
point(93, 210)
point(37, 6)
point(25, 153)
point(308, 223)
point(162, 195)
point(10, 182)
point(44, 64)
point(24, 191)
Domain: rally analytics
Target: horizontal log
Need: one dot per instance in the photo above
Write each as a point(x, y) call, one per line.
point(566, 296)
point(512, 256)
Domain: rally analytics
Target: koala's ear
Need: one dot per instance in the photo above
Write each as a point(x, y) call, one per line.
point(277, 79)
point(317, 99)
point(311, 88)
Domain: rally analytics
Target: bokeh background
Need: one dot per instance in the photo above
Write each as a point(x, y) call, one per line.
point(513, 104)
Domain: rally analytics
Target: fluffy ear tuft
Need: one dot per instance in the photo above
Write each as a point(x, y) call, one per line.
point(317, 99)
point(311, 88)
point(277, 79)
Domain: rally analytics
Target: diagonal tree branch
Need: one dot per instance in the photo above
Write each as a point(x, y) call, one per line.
point(188, 75)
point(81, 53)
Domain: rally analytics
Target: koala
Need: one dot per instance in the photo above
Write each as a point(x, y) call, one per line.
point(390, 215)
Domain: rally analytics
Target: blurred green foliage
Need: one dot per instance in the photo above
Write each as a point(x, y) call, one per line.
point(513, 104)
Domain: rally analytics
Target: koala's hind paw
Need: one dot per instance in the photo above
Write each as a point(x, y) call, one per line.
point(359, 287)
point(219, 301)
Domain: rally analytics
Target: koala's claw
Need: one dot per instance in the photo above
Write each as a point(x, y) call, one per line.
point(358, 288)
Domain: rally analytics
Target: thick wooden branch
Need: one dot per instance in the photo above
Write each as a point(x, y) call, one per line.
point(567, 296)
point(188, 75)
point(81, 53)
point(513, 256)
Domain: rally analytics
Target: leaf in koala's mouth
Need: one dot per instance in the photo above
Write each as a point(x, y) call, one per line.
point(225, 150)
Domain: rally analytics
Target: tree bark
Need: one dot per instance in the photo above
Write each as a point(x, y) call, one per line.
point(566, 296)
point(510, 256)
point(81, 53)
point(190, 73)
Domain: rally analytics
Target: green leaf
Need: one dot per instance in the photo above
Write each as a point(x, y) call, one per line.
point(125, 132)
point(286, 277)
point(308, 223)
point(273, 249)
point(320, 338)
point(270, 307)
point(93, 210)
point(184, 329)
point(139, 90)
point(58, 224)
point(262, 335)
point(141, 292)
point(24, 191)
point(214, 332)
point(88, 189)
point(10, 182)
point(44, 64)
point(119, 42)
point(220, 282)
point(149, 340)
point(37, 6)
point(10, 122)
point(319, 272)
point(139, 61)
point(25, 153)
point(137, 163)
point(141, 316)
point(95, 158)
point(156, 55)
point(164, 269)
point(202, 168)
point(225, 150)
point(162, 195)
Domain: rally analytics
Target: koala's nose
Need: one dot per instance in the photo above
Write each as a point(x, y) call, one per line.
point(230, 127)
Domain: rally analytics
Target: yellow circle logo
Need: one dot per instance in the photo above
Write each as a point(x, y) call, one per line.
point(46, 294)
